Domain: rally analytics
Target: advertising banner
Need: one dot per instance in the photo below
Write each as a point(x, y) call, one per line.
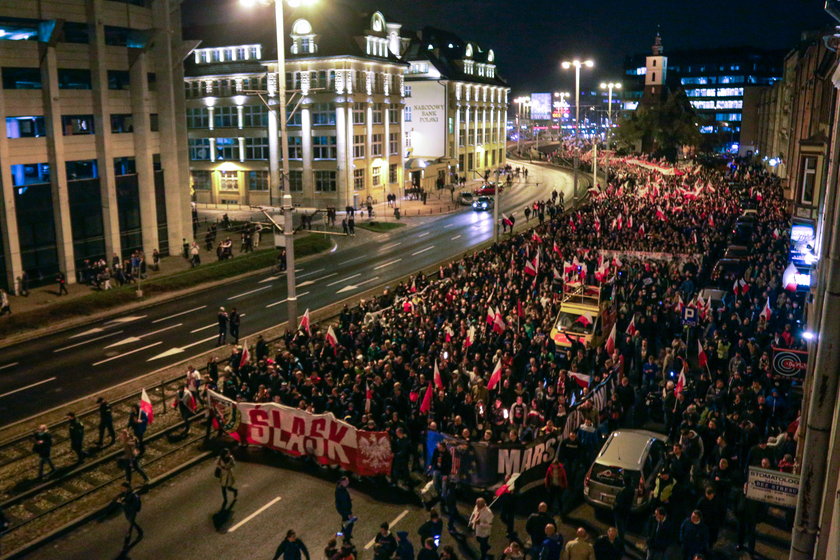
point(298, 433)
point(773, 487)
point(541, 106)
point(789, 362)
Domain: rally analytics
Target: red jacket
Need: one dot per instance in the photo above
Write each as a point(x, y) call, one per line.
point(560, 475)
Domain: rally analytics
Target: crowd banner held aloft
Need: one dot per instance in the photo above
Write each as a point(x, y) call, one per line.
point(773, 487)
point(298, 433)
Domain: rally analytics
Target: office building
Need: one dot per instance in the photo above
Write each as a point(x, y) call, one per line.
point(93, 143)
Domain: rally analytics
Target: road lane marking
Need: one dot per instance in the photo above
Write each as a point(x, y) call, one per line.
point(454, 238)
point(139, 337)
point(424, 234)
point(344, 279)
point(210, 326)
point(355, 259)
point(374, 279)
point(115, 333)
point(237, 296)
point(389, 263)
point(390, 526)
point(7, 366)
point(313, 272)
point(309, 282)
point(391, 246)
point(448, 225)
point(121, 320)
point(429, 248)
point(253, 515)
point(27, 387)
point(282, 301)
point(91, 331)
point(200, 342)
point(127, 353)
point(178, 314)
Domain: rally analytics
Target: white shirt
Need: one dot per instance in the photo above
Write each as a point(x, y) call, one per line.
point(481, 521)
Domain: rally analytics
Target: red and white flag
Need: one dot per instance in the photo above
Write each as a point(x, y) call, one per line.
point(146, 406)
point(246, 356)
point(426, 405)
point(368, 396)
point(584, 319)
point(491, 315)
point(581, 379)
point(449, 333)
point(610, 344)
point(188, 399)
point(702, 358)
point(631, 328)
point(532, 267)
point(470, 337)
point(642, 229)
point(557, 276)
point(438, 378)
point(556, 248)
point(304, 323)
point(660, 215)
point(767, 312)
point(330, 337)
point(498, 323)
point(680, 305)
point(789, 278)
point(536, 238)
point(597, 224)
point(505, 220)
point(496, 376)
point(681, 381)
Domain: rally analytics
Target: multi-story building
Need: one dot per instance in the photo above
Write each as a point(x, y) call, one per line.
point(455, 109)
point(345, 100)
point(92, 137)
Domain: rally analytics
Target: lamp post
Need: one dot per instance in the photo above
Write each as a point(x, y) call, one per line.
point(562, 95)
point(609, 86)
point(520, 102)
point(277, 164)
point(576, 64)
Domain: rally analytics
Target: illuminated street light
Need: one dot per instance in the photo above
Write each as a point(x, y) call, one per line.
point(609, 86)
point(577, 64)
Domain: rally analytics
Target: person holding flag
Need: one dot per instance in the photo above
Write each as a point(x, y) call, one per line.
point(186, 404)
point(305, 324)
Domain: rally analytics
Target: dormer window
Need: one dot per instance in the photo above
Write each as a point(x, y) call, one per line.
point(469, 51)
point(303, 39)
point(377, 23)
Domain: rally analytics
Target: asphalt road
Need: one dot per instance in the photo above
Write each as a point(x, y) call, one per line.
point(40, 374)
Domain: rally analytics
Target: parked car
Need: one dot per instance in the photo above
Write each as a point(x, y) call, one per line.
point(482, 203)
point(736, 252)
point(628, 456)
point(466, 198)
point(488, 189)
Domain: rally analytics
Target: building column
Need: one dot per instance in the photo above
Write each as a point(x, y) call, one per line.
point(341, 160)
point(351, 162)
point(457, 147)
point(8, 219)
point(143, 160)
point(386, 144)
point(467, 115)
point(476, 163)
point(306, 147)
point(55, 155)
point(491, 131)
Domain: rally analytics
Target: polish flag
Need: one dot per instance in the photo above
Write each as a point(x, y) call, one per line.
point(702, 358)
point(438, 378)
point(449, 333)
point(680, 304)
point(146, 406)
point(496, 376)
point(642, 229)
point(694, 237)
point(789, 278)
point(630, 222)
point(660, 215)
point(610, 344)
point(557, 276)
point(681, 381)
point(498, 323)
point(619, 222)
point(531, 267)
point(711, 221)
point(188, 399)
point(555, 248)
point(568, 267)
point(470, 337)
point(426, 405)
point(597, 224)
point(581, 379)
point(331, 339)
point(631, 328)
point(491, 315)
point(767, 312)
point(585, 319)
point(246, 356)
point(506, 220)
point(536, 238)
point(368, 396)
point(413, 288)
point(304, 322)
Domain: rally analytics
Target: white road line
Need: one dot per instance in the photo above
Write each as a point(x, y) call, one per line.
point(178, 314)
point(429, 248)
point(7, 366)
point(448, 225)
point(389, 263)
point(253, 515)
point(424, 234)
point(355, 259)
point(390, 525)
point(249, 293)
point(344, 279)
point(309, 282)
point(160, 330)
point(282, 301)
point(391, 246)
point(215, 337)
point(313, 272)
point(115, 333)
point(127, 353)
point(454, 238)
point(28, 387)
point(374, 279)
point(210, 326)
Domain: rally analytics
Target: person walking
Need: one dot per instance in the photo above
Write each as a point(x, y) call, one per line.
point(224, 472)
point(234, 318)
point(131, 504)
point(661, 536)
point(556, 483)
point(130, 459)
point(76, 433)
point(106, 421)
point(43, 447)
point(622, 507)
point(137, 423)
point(481, 522)
point(61, 280)
point(5, 307)
point(344, 227)
point(535, 527)
point(609, 546)
point(579, 547)
point(694, 535)
point(292, 548)
point(344, 507)
point(384, 543)
point(552, 545)
point(351, 225)
point(223, 326)
point(429, 550)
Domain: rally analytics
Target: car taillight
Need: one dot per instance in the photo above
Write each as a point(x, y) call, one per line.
point(586, 478)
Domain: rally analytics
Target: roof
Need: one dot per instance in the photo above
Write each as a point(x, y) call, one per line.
point(626, 448)
point(446, 51)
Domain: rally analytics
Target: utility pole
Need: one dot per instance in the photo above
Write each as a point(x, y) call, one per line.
point(595, 164)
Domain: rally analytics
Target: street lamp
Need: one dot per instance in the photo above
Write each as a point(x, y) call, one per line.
point(577, 64)
point(609, 86)
point(520, 102)
point(277, 163)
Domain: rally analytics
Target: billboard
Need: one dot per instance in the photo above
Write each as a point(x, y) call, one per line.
point(426, 109)
point(773, 487)
point(541, 106)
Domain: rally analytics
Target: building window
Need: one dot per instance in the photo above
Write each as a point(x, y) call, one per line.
point(118, 79)
point(809, 180)
point(323, 147)
point(376, 145)
point(323, 114)
point(125, 166)
point(75, 125)
point(407, 90)
point(258, 180)
point(21, 78)
point(82, 169)
point(227, 149)
point(256, 148)
point(359, 179)
point(201, 180)
point(74, 32)
point(292, 118)
point(377, 113)
point(25, 127)
point(122, 123)
point(392, 173)
point(225, 117)
point(376, 175)
point(73, 78)
point(198, 118)
point(229, 180)
point(471, 136)
point(154, 122)
point(295, 147)
point(255, 116)
point(358, 146)
point(199, 149)
point(358, 113)
point(296, 180)
point(393, 143)
point(325, 181)
point(408, 114)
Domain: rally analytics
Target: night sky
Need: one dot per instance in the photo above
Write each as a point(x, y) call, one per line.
point(531, 37)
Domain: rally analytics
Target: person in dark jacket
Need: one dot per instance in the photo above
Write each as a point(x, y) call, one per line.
point(535, 527)
point(344, 507)
point(137, 423)
point(233, 322)
point(431, 529)
point(76, 432)
point(441, 468)
point(106, 422)
point(405, 550)
point(401, 446)
point(130, 502)
point(714, 512)
point(291, 548)
point(694, 535)
point(43, 447)
point(552, 545)
point(661, 536)
point(622, 507)
point(384, 543)
point(429, 550)
point(609, 546)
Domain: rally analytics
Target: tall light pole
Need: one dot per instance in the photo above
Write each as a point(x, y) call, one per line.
point(562, 95)
point(609, 86)
point(577, 64)
point(278, 164)
point(520, 102)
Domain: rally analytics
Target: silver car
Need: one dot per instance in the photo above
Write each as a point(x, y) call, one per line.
point(635, 456)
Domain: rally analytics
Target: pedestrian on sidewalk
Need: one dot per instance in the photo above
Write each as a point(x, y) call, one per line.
point(156, 260)
point(130, 460)
point(222, 317)
point(234, 320)
point(224, 472)
point(579, 547)
point(344, 226)
point(76, 432)
point(527, 213)
point(292, 548)
point(43, 447)
point(351, 225)
point(130, 502)
point(4, 303)
point(106, 421)
point(61, 279)
point(195, 256)
point(481, 522)
point(384, 543)
point(344, 507)
point(137, 423)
